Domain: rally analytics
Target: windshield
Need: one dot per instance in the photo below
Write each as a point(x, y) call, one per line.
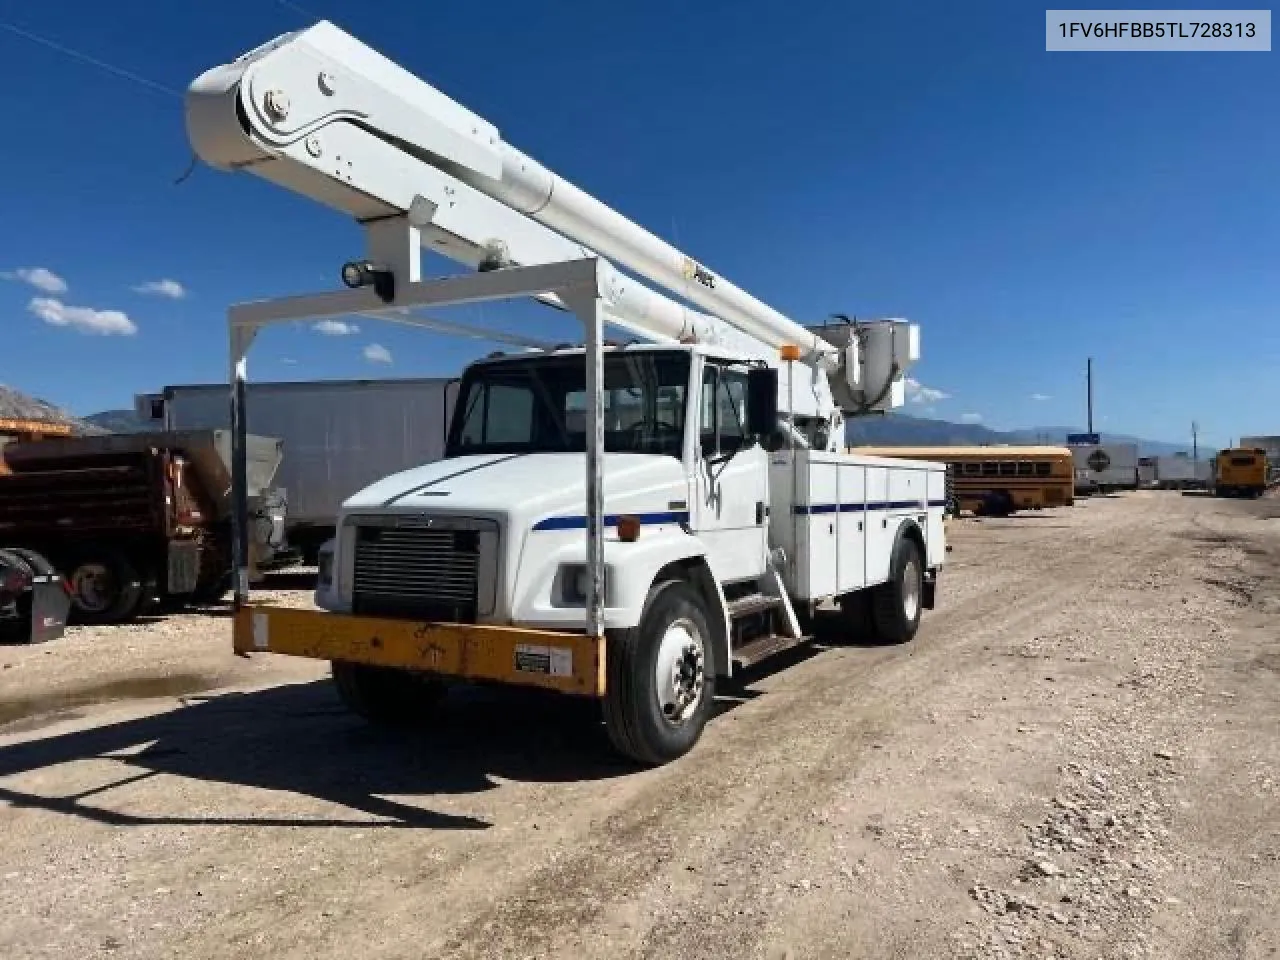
point(540, 405)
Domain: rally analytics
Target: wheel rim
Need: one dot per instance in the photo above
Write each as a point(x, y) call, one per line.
point(910, 590)
point(680, 673)
point(93, 587)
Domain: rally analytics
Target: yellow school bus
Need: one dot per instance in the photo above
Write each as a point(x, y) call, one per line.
point(996, 481)
point(1240, 472)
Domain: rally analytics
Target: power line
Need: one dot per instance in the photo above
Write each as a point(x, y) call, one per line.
point(92, 61)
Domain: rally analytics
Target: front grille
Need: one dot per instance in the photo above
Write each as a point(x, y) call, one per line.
point(418, 572)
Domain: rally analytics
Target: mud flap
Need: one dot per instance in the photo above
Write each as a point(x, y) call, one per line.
point(184, 566)
point(929, 589)
point(50, 604)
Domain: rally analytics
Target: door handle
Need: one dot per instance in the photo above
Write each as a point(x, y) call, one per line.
point(761, 512)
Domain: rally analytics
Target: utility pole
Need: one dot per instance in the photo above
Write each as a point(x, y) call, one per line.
point(1088, 384)
point(1195, 448)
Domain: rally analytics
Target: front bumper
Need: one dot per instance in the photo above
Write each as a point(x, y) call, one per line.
point(568, 662)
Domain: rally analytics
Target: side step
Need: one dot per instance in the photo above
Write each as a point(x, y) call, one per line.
point(752, 603)
point(749, 654)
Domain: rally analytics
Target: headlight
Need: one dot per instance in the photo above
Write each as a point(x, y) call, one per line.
point(574, 580)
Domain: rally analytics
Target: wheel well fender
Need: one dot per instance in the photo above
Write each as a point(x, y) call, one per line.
point(695, 571)
point(910, 530)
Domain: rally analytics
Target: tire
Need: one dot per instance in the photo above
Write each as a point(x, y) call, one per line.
point(15, 614)
point(639, 726)
point(856, 623)
point(40, 567)
point(386, 696)
point(105, 587)
point(896, 605)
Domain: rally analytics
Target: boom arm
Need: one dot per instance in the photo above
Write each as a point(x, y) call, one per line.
point(324, 115)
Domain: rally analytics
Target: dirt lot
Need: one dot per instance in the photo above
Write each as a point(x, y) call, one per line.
point(1076, 757)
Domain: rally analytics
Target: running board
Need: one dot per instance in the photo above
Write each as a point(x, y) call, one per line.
point(752, 603)
point(762, 648)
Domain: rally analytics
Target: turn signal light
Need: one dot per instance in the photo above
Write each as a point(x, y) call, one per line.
point(790, 352)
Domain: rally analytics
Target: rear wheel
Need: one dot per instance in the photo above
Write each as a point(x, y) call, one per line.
point(386, 696)
point(896, 605)
point(105, 587)
point(661, 678)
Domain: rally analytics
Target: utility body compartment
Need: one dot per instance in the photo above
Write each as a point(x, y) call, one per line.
point(836, 517)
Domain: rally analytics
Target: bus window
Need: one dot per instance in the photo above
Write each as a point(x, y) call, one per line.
point(1242, 461)
point(973, 469)
point(1008, 468)
point(1043, 468)
point(990, 468)
point(1025, 468)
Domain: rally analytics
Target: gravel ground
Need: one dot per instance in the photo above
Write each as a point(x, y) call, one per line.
point(1077, 757)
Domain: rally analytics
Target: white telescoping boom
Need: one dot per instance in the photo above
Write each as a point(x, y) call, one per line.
point(322, 114)
point(475, 566)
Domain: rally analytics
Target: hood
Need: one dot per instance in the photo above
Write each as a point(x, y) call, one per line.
point(535, 486)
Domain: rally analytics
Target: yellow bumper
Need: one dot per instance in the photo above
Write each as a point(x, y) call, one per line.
point(571, 663)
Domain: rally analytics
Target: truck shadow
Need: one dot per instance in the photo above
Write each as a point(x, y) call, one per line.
point(299, 739)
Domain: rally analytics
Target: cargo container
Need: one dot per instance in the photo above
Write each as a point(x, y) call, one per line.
point(1180, 472)
point(1147, 472)
point(1110, 466)
point(339, 436)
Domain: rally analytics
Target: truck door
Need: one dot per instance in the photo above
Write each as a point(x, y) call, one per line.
point(730, 508)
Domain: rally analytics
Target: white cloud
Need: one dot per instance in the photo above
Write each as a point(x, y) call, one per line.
point(335, 328)
point(377, 353)
point(917, 392)
point(162, 288)
point(970, 418)
point(84, 319)
point(1041, 396)
point(42, 278)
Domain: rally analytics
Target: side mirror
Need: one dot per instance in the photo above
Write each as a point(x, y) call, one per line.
point(762, 401)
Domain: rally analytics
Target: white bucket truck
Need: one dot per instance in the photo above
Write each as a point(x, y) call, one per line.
point(631, 522)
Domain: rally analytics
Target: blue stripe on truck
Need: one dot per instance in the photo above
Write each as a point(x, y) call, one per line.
point(651, 519)
point(610, 520)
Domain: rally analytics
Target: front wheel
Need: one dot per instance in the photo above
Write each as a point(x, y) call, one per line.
point(896, 605)
point(661, 677)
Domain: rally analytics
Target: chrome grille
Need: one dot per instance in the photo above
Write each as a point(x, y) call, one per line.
point(417, 571)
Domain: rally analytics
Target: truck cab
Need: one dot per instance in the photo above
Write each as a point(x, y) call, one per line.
point(493, 532)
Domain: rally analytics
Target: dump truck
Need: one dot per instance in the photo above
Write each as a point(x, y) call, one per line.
point(132, 519)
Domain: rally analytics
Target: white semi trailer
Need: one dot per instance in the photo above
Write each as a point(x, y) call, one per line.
point(633, 523)
point(338, 436)
point(1180, 472)
point(1110, 466)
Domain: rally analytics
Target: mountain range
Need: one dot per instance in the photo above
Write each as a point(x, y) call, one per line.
point(893, 429)
point(902, 430)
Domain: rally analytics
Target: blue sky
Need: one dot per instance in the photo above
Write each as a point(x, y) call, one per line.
point(926, 160)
